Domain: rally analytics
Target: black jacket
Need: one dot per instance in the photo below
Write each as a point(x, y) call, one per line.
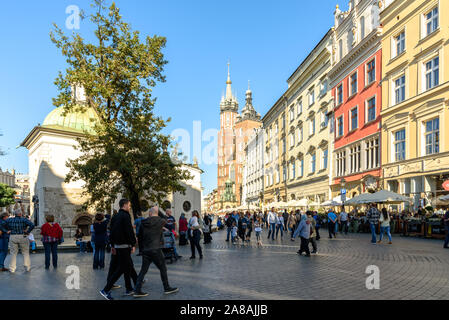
point(122, 231)
point(150, 233)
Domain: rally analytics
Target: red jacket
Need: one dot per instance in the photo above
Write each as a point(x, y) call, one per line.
point(55, 231)
point(183, 225)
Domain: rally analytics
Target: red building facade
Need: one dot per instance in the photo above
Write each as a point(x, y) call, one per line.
point(356, 88)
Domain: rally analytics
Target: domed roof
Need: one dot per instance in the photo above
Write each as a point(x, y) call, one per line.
point(74, 121)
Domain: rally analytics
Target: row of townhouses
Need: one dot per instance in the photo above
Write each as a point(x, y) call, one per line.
point(366, 110)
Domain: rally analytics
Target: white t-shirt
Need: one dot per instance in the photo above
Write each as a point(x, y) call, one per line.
point(384, 223)
point(271, 217)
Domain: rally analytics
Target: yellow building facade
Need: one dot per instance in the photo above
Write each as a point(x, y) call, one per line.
point(275, 126)
point(415, 98)
point(308, 133)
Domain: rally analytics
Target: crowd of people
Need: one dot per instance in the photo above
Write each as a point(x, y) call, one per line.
point(119, 236)
point(307, 224)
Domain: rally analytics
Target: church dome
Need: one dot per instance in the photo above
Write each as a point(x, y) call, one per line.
point(74, 121)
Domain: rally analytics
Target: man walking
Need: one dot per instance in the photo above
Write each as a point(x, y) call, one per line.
point(4, 240)
point(123, 244)
point(373, 216)
point(343, 220)
point(20, 228)
point(331, 220)
point(285, 216)
point(271, 218)
point(228, 221)
point(151, 239)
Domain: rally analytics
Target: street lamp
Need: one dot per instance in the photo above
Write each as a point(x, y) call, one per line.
point(343, 196)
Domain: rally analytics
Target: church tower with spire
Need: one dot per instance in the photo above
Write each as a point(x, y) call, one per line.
point(235, 130)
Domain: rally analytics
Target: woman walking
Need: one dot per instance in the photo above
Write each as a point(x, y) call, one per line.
point(304, 230)
point(195, 234)
point(207, 229)
point(279, 225)
point(385, 225)
point(101, 239)
point(291, 224)
point(183, 230)
point(249, 228)
point(243, 225)
point(51, 236)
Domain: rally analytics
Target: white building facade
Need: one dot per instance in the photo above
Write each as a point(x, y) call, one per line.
point(253, 170)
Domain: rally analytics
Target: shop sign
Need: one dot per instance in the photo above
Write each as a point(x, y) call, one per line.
point(446, 185)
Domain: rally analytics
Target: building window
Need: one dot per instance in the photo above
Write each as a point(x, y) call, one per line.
point(371, 71)
point(371, 109)
point(325, 158)
point(355, 159)
point(431, 21)
point(340, 126)
point(399, 89)
point(283, 121)
point(323, 87)
point(312, 126)
point(300, 135)
point(301, 164)
point(292, 114)
point(372, 153)
point(299, 106)
point(311, 96)
point(432, 73)
point(284, 149)
point(293, 170)
point(341, 163)
point(340, 94)
point(313, 163)
point(292, 140)
point(324, 119)
point(362, 28)
point(284, 173)
point(400, 43)
point(432, 136)
point(354, 84)
point(399, 145)
point(354, 118)
point(340, 48)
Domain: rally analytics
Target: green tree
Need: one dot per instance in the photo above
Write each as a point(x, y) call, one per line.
point(6, 195)
point(128, 153)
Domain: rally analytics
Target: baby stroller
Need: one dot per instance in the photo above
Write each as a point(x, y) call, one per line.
point(169, 243)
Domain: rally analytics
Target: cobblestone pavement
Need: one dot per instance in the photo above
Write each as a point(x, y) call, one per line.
point(411, 268)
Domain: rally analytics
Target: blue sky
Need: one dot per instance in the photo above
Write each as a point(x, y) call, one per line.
point(265, 41)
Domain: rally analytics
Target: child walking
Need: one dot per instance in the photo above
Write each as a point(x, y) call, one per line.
point(258, 230)
point(234, 237)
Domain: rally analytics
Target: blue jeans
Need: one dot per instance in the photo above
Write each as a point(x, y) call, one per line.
point(228, 233)
point(82, 245)
point(51, 247)
point(446, 241)
point(271, 231)
point(383, 230)
point(279, 227)
point(336, 227)
point(99, 256)
point(373, 233)
point(4, 241)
